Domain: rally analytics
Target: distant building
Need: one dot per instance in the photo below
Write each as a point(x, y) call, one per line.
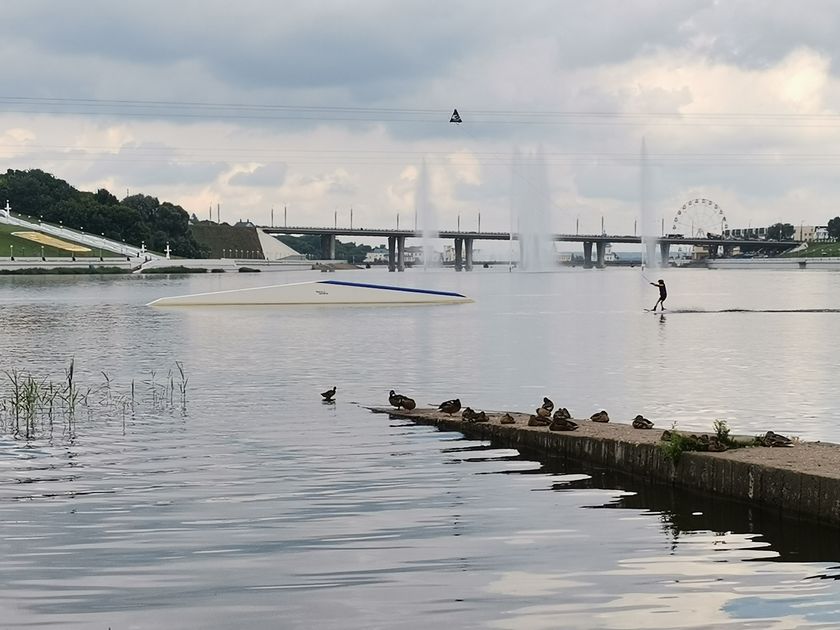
point(811, 233)
point(377, 255)
point(412, 255)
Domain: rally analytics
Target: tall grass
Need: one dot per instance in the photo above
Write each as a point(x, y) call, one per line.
point(33, 407)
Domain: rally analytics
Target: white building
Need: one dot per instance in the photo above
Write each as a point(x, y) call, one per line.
point(377, 255)
point(811, 233)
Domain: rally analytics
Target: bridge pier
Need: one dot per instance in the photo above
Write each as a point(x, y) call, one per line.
point(401, 253)
point(468, 254)
point(664, 252)
point(392, 246)
point(587, 254)
point(459, 264)
point(328, 246)
point(601, 247)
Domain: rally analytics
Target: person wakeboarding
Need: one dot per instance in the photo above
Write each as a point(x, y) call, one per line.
point(663, 293)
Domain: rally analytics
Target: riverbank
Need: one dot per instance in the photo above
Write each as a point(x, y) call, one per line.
point(802, 480)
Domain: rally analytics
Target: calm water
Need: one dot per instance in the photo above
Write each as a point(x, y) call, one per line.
point(260, 507)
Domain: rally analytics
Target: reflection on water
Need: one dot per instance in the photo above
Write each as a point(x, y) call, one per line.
point(262, 507)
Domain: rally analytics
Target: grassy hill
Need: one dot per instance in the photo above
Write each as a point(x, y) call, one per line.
point(816, 250)
point(227, 241)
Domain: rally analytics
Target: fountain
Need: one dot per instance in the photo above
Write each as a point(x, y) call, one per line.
point(647, 220)
point(426, 217)
point(531, 212)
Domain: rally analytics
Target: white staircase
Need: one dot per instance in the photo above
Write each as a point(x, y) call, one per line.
point(91, 240)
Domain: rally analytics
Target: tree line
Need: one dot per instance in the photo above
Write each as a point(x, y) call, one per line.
point(134, 219)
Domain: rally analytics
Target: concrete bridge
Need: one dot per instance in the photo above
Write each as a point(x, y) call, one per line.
point(464, 243)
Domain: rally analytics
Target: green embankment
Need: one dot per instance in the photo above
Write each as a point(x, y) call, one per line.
point(227, 241)
point(22, 247)
point(816, 250)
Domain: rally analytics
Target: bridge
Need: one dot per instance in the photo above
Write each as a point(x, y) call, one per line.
point(464, 243)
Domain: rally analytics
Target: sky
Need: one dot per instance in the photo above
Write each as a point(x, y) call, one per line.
point(319, 107)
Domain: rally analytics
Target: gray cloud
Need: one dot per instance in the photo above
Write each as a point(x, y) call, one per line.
point(267, 175)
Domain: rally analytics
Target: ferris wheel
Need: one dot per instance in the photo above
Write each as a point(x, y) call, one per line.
point(698, 218)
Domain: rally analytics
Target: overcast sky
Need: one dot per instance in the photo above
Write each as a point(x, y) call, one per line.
point(325, 106)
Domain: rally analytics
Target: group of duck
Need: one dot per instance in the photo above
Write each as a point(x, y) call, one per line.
point(561, 420)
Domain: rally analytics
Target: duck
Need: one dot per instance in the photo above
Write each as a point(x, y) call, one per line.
point(507, 419)
point(775, 439)
point(548, 404)
point(562, 413)
point(408, 403)
point(450, 406)
point(536, 421)
point(715, 445)
point(640, 422)
point(467, 414)
point(562, 424)
point(395, 399)
point(328, 395)
point(542, 412)
point(601, 416)
point(480, 417)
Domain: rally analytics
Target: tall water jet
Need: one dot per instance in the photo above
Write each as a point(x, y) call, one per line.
point(426, 216)
point(647, 220)
point(531, 212)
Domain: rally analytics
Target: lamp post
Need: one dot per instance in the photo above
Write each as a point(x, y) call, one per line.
point(42, 253)
point(11, 252)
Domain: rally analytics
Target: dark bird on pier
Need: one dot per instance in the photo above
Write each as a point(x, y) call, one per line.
point(601, 416)
point(775, 439)
point(328, 395)
point(562, 414)
point(467, 414)
point(450, 406)
point(548, 404)
point(640, 422)
point(507, 419)
point(542, 412)
point(562, 424)
point(536, 421)
point(395, 399)
point(408, 403)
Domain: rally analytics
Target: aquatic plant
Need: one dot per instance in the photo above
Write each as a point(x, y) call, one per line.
point(31, 407)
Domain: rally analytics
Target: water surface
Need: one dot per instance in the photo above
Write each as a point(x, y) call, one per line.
point(258, 506)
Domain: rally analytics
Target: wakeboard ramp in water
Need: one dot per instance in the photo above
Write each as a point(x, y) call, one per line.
point(316, 292)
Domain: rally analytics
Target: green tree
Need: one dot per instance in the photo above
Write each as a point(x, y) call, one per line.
point(780, 231)
point(135, 219)
point(834, 228)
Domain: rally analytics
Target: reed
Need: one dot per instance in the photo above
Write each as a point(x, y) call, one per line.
point(31, 407)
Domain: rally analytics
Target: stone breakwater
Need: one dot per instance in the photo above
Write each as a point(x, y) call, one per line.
point(802, 480)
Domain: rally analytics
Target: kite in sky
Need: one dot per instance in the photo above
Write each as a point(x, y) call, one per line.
point(456, 117)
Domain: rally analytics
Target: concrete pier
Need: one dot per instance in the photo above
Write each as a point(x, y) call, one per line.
point(802, 480)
